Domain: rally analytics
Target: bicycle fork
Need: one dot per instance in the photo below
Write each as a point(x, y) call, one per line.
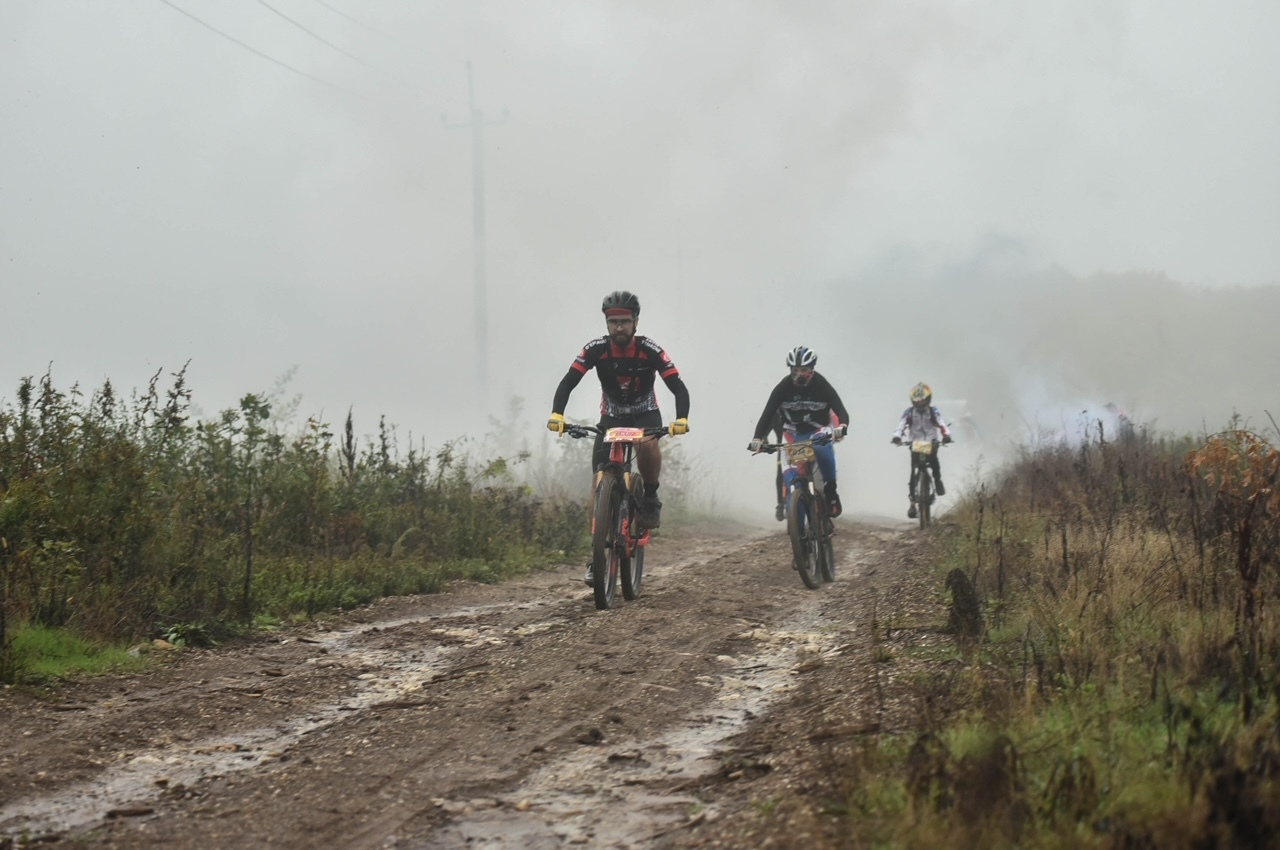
point(632, 487)
point(920, 478)
point(633, 493)
point(805, 486)
point(793, 480)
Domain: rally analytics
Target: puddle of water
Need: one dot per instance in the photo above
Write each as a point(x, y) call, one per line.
point(471, 612)
point(145, 776)
point(596, 795)
point(603, 797)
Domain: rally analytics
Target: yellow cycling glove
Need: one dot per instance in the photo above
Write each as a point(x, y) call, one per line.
point(680, 426)
point(556, 423)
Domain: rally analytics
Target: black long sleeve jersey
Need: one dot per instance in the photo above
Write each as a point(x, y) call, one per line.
point(627, 377)
point(803, 408)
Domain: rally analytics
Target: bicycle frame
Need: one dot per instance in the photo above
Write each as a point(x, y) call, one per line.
point(921, 477)
point(802, 462)
point(618, 539)
point(803, 480)
point(622, 444)
point(921, 451)
point(801, 468)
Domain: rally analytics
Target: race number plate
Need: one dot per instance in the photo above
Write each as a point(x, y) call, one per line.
point(800, 452)
point(624, 435)
point(922, 447)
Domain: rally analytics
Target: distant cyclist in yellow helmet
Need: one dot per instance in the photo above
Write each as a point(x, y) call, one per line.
point(922, 421)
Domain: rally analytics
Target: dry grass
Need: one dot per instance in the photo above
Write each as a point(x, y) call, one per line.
point(1125, 687)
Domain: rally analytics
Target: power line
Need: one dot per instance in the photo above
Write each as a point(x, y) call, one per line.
point(363, 25)
point(258, 52)
point(328, 43)
point(353, 57)
point(382, 34)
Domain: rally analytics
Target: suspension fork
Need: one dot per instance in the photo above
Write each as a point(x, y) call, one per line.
point(798, 477)
point(618, 466)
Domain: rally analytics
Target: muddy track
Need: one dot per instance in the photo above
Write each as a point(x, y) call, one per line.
point(510, 716)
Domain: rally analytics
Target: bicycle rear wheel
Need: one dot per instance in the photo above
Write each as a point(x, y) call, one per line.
point(801, 527)
point(630, 552)
point(633, 574)
point(633, 565)
point(605, 537)
point(827, 549)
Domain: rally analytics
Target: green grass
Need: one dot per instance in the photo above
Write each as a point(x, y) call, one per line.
point(1110, 701)
point(286, 590)
point(42, 654)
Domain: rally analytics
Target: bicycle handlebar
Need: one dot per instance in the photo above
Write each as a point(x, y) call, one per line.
point(938, 443)
point(579, 431)
point(820, 440)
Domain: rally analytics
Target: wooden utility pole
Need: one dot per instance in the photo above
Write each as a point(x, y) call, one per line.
point(477, 123)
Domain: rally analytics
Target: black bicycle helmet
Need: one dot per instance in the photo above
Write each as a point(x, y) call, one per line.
point(621, 300)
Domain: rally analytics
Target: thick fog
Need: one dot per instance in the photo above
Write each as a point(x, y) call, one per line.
point(994, 197)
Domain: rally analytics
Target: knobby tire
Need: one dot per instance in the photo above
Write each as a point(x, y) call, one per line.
point(827, 548)
point(633, 566)
point(925, 495)
point(804, 540)
point(605, 564)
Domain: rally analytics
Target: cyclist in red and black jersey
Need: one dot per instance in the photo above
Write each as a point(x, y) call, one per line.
point(628, 367)
point(805, 401)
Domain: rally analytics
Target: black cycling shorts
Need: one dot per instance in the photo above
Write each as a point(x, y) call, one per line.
point(647, 419)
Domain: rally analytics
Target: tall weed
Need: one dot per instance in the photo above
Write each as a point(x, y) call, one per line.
point(1125, 688)
point(120, 518)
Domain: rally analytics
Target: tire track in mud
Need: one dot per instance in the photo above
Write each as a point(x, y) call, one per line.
point(633, 788)
point(497, 717)
point(634, 792)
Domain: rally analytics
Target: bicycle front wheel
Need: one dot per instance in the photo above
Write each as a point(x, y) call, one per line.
point(801, 527)
point(606, 535)
point(926, 499)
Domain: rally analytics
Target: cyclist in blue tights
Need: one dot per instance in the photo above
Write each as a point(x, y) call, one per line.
point(807, 402)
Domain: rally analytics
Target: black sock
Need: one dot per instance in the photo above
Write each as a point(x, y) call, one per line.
point(650, 490)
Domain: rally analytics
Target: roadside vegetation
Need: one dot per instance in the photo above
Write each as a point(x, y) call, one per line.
point(124, 519)
point(1116, 676)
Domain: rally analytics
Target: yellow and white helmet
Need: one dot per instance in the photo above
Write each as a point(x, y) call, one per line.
point(921, 395)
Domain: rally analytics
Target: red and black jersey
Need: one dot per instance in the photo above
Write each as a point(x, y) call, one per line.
point(627, 377)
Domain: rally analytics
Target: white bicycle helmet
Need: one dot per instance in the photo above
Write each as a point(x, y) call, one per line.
point(802, 356)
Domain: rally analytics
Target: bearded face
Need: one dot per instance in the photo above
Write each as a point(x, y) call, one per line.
point(621, 329)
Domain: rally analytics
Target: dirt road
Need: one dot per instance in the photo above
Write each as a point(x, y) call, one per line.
point(510, 716)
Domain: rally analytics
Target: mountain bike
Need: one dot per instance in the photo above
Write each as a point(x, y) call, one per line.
point(618, 538)
point(808, 521)
point(922, 477)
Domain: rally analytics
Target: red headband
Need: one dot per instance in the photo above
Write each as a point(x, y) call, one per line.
point(618, 311)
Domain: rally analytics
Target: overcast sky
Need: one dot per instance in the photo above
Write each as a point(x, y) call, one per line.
point(258, 185)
